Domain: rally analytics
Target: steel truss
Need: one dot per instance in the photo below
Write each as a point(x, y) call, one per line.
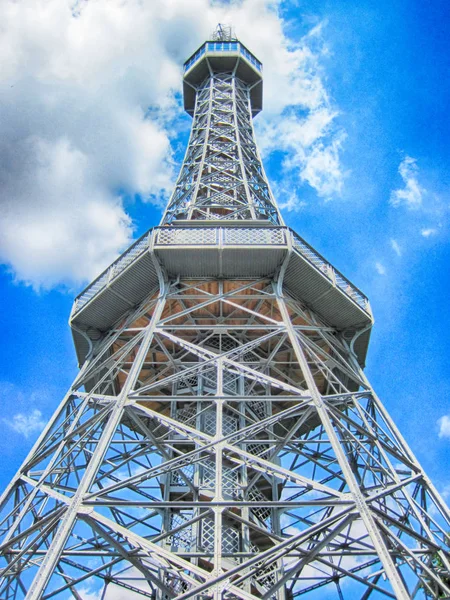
point(221, 439)
point(222, 177)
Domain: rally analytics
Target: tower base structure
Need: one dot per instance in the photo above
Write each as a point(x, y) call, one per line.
point(221, 439)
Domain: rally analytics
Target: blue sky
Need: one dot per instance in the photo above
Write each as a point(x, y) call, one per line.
point(355, 142)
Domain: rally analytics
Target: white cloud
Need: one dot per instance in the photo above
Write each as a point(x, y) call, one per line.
point(428, 232)
point(411, 195)
point(444, 426)
point(445, 492)
point(26, 423)
point(88, 594)
point(396, 247)
point(77, 134)
point(74, 132)
point(322, 169)
point(380, 268)
point(291, 202)
point(287, 197)
point(301, 119)
point(58, 224)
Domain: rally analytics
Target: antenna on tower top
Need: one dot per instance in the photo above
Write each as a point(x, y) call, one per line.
point(223, 33)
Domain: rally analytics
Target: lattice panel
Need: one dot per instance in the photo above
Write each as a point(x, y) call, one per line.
point(230, 537)
point(129, 256)
point(342, 282)
point(176, 478)
point(262, 514)
point(310, 254)
point(209, 380)
point(97, 285)
point(229, 424)
point(258, 449)
point(209, 422)
point(187, 414)
point(181, 541)
point(259, 408)
point(186, 237)
point(188, 382)
point(266, 578)
point(254, 236)
point(230, 540)
point(230, 383)
point(203, 381)
point(207, 534)
point(345, 285)
point(230, 484)
point(178, 585)
point(223, 343)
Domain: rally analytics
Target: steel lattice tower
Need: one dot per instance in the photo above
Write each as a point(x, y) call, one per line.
point(221, 439)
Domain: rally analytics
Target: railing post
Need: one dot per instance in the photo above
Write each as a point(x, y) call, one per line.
point(332, 275)
point(111, 270)
point(153, 238)
point(74, 308)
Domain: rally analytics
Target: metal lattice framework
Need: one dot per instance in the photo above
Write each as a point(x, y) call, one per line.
point(222, 175)
point(221, 439)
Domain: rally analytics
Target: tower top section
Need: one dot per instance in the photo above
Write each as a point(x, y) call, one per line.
point(222, 54)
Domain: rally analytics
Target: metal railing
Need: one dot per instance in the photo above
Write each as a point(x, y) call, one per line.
point(193, 236)
point(330, 272)
point(223, 47)
point(227, 236)
point(221, 236)
point(188, 64)
point(112, 271)
point(250, 236)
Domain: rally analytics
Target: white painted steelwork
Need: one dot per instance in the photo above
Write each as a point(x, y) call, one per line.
point(221, 439)
point(220, 238)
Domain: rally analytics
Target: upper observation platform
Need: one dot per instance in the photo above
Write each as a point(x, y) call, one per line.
point(222, 57)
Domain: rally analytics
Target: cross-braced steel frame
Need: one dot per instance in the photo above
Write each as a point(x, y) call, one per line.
point(222, 176)
point(221, 439)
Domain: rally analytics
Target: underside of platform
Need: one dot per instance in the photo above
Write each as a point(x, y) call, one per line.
point(225, 253)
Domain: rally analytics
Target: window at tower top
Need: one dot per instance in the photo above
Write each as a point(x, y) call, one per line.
point(212, 48)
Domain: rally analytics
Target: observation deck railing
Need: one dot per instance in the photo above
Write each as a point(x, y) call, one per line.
point(223, 47)
point(331, 272)
point(221, 237)
point(125, 259)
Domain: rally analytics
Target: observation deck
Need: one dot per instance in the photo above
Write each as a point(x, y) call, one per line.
point(221, 57)
point(194, 249)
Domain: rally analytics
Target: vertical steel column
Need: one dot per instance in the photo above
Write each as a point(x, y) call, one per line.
point(360, 503)
point(54, 552)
